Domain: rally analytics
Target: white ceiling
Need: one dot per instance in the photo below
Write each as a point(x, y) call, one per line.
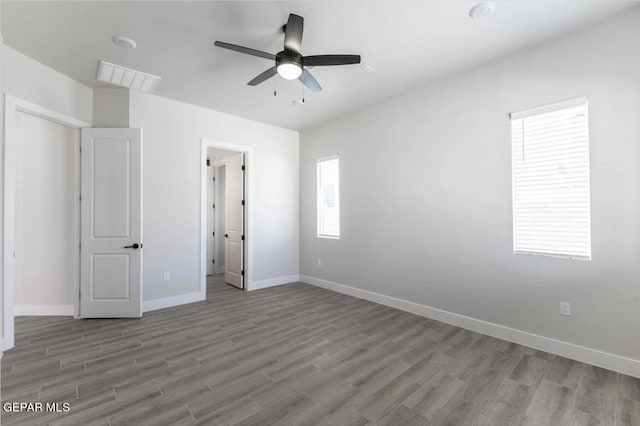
point(408, 43)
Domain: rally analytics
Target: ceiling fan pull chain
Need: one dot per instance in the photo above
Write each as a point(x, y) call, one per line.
point(304, 84)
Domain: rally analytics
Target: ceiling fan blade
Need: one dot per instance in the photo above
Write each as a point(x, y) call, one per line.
point(309, 81)
point(245, 50)
point(293, 32)
point(263, 77)
point(328, 60)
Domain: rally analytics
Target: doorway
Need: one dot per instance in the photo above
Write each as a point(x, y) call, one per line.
point(46, 216)
point(226, 215)
point(40, 125)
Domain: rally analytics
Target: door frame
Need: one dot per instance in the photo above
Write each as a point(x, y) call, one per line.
point(12, 105)
point(248, 212)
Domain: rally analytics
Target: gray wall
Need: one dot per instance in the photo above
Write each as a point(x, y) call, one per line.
point(426, 194)
point(111, 108)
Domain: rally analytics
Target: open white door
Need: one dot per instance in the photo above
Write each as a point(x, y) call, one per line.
point(111, 223)
point(234, 220)
point(211, 205)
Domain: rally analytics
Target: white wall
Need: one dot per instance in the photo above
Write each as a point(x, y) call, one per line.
point(217, 155)
point(46, 201)
point(34, 82)
point(171, 184)
point(426, 194)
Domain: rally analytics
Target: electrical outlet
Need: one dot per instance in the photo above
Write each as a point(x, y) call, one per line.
point(565, 309)
point(319, 262)
point(167, 276)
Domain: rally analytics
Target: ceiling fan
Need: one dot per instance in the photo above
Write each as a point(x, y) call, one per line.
point(290, 63)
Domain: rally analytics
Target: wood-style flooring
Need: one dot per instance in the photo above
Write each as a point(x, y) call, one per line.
point(298, 355)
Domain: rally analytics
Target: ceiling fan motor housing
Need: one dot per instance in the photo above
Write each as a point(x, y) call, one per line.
point(288, 57)
point(289, 64)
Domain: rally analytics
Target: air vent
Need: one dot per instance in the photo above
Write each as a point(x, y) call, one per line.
point(126, 77)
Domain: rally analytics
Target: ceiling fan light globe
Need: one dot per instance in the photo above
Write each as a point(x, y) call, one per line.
point(289, 71)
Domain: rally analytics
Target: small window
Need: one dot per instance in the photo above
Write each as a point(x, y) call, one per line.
point(551, 190)
point(329, 197)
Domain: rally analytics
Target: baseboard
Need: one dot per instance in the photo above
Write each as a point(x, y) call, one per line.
point(169, 302)
point(220, 269)
point(596, 357)
point(272, 282)
point(43, 310)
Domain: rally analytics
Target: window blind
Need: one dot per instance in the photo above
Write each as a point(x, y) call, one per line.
point(551, 190)
point(329, 197)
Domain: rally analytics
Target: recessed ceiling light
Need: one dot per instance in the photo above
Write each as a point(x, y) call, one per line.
point(481, 10)
point(125, 42)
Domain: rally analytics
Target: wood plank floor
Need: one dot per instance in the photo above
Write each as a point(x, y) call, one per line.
point(298, 355)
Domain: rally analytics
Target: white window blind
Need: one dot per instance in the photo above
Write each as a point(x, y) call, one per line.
point(329, 197)
point(551, 191)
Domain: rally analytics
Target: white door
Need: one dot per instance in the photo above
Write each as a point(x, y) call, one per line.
point(234, 220)
point(111, 223)
point(211, 202)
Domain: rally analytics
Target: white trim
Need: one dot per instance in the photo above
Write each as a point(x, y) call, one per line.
point(596, 357)
point(43, 310)
point(169, 302)
point(555, 106)
point(12, 105)
point(272, 282)
point(248, 230)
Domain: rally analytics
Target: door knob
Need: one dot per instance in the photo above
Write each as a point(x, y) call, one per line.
point(135, 246)
point(226, 235)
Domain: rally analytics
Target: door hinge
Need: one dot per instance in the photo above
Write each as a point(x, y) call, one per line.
point(214, 178)
point(214, 206)
point(208, 162)
point(243, 167)
point(80, 198)
point(242, 272)
point(243, 202)
point(213, 233)
point(242, 238)
point(213, 261)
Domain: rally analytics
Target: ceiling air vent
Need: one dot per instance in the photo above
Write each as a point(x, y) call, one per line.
point(126, 77)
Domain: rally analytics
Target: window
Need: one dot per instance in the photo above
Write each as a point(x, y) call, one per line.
point(551, 196)
point(329, 197)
